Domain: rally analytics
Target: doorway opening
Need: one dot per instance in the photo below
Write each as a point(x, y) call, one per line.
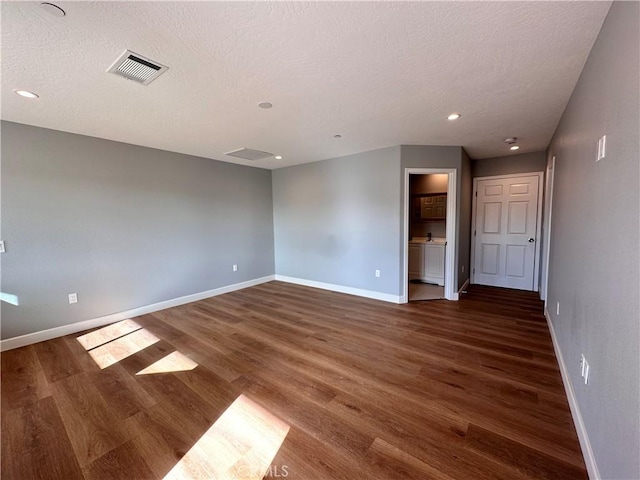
point(505, 249)
point(429, 234)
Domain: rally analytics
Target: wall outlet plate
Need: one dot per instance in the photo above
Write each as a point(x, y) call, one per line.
point(377, 273)
point(2, 250)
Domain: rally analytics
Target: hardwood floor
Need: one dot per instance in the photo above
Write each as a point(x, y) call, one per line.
point(433, 390)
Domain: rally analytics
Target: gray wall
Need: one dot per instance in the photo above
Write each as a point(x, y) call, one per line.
point(419, 156)
point(336, 221)
point(522, 163)
point(595, 238)
point(121, 225)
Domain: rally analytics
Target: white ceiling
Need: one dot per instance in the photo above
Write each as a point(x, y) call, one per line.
point(377, 73)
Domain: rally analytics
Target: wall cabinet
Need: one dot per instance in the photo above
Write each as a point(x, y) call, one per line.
point(426, 262)
point(430, 207)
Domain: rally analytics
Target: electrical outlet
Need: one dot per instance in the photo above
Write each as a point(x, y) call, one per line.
point(73, 298)
point(557, 308)
point(377, 273)
point(2, 250)
point(235, 268)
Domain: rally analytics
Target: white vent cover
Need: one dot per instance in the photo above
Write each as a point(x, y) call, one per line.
point(249, 154)
point(135, 67)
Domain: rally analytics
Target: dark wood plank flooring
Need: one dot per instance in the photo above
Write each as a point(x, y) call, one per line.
point(442, 390)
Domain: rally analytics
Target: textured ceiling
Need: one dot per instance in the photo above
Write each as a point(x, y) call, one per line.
point(377, 73)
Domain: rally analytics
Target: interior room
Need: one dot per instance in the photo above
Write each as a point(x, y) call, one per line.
point(428, 235)
point(320, 240)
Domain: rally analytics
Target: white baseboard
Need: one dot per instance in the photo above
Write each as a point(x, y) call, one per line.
point(43, 335)
point(583, 437)
point(385, 297)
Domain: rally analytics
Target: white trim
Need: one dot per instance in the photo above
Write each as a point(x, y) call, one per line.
point(450, 248)
point(583, 437)
point(43, 335)
point(536, 259)
point(548, 202)
point(385, 297)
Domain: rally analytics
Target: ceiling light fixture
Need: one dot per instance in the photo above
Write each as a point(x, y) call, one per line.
point(514, 147)
point(53, 9)
point(265, 105)
point(454, 116)
point(278, 157)
point(337, 136)
point(26, 94)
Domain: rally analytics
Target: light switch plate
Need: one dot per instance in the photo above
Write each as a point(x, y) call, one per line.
point(73, 298)
point(2, 250)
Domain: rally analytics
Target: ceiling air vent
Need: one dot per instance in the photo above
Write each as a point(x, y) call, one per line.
point(135, 67)
point(249, 154)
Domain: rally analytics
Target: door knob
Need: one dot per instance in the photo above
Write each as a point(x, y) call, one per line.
point(531, 240)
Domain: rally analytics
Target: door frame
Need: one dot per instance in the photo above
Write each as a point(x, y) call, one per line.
point(450, 289)
point(548, 207)
point(536, 260)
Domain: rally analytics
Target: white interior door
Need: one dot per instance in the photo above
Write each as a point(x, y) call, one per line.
point(506, 225)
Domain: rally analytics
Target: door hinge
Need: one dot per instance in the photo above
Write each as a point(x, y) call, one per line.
point(474, 233)
point(474, 270)
point(476, 193)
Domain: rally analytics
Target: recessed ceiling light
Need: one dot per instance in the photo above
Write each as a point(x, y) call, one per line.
point(337, 136)
point(514, 147)
point(265, 105)
point(26, 94)
point(278, 157)
point(53, 9)
point(454, 116)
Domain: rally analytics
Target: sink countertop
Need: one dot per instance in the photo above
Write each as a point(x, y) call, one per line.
point(434, 240)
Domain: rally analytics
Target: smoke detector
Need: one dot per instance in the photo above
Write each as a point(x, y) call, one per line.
point(249, 154)
point(133, 66)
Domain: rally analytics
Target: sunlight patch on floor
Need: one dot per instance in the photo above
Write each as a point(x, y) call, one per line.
point(112, 352)
point(174, 362)
point(107, 334)
point(240, 445)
